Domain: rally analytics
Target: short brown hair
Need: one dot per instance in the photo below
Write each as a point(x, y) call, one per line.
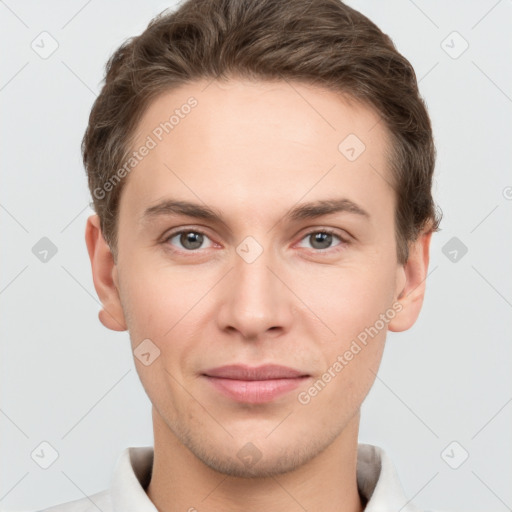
point(318, 42)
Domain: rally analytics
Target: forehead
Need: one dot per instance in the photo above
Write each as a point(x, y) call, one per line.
point(256, 144)
point(296, 111)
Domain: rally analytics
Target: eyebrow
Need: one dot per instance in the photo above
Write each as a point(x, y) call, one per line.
point(310, 210)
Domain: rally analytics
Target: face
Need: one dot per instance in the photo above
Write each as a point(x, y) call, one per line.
point(258, 231)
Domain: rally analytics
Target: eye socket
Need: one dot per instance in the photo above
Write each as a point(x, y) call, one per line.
point(324, 238)
point(190, 239)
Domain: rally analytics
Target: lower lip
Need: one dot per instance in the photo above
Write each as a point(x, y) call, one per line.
point(254, 391)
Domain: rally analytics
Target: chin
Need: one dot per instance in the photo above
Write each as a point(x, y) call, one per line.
point(259, 458)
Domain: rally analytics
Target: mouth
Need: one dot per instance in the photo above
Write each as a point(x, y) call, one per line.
point(254, 385)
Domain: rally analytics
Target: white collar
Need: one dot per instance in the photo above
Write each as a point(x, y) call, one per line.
point(377, 482)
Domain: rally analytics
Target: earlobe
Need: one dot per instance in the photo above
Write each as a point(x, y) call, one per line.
point(103, 271)
point(411, 290)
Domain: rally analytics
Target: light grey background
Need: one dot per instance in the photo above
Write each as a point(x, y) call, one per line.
point(68, 381)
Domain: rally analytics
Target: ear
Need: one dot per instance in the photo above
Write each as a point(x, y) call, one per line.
point(104, 274)
point(411, 282)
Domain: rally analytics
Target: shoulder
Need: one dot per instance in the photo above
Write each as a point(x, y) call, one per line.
point(99, 501)
point(378, 482)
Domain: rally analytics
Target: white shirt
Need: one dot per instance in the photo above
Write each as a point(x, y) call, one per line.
point(377, 481)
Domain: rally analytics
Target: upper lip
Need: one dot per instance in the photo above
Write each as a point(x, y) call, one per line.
point(244, 372)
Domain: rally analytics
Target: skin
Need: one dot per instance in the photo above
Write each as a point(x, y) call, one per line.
point(253, 151)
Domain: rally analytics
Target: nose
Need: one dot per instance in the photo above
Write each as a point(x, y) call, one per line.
point(255, 301)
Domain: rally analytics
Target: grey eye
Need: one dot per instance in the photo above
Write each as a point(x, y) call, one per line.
point(321, 240)
point(189, 240)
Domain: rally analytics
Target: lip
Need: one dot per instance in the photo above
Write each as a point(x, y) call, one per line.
point(254, 384)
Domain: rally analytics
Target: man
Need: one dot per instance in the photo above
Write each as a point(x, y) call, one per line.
point(261, 174)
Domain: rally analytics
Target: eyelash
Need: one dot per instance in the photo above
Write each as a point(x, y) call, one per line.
point(330, 250)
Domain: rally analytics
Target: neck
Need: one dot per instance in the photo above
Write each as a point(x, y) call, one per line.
point(182, 482)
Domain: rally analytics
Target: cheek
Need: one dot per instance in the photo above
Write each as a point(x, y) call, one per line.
point(161, 309)
point(352, 306)
point(158, 298)
point(167, 306)
point(352, 356)
point(350, 299)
